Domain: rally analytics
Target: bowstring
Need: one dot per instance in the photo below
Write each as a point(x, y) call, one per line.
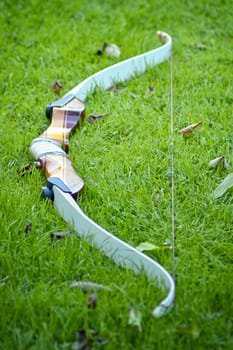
point(172, 168)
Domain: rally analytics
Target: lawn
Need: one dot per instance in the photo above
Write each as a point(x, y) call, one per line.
point(125, 160)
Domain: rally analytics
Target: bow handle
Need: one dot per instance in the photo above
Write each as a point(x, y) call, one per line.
point(51, 149)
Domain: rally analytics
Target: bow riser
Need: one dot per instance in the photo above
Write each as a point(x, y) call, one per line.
point(64, 121)
point(50, 148)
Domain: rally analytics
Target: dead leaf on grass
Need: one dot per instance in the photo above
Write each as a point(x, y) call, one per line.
point(25, 169)
point(92, 301)
point(215, 162)
point(224, 186)
point(28, 228)
point(189, 129)
point(114, 89)
point(94, 117)
point(57, 236)
point(111, 50)
point(150, 89)
point(162, 36)
point(201, 47)
point(85, 286)
point(56, 86)
point(135, 319)
point(146, 247)
point(86, 338)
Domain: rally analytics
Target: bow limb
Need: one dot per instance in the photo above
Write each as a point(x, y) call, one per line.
point(124, 70)
point(64, 184)
point(117, 250)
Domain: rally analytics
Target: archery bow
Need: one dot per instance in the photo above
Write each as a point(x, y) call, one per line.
point(50, 151)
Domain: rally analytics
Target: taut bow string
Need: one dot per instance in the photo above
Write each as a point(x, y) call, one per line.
point(64, 184)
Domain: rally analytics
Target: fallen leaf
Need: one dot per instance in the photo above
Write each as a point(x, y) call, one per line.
point(135, 318)
point(93, 117)
point(111, 50)
point(92, 301)
point(146, 247)
point(201, 47)
point(86, 338)
point(28, 228)
point(150, 89)
point(162, 36)
point(215, 162)
point(57, 236)
point(224, 186)
point(114, 89)
point(189, 129)
point(56, 86)
point(83, 342)
point(25, 169)
point(85, 286)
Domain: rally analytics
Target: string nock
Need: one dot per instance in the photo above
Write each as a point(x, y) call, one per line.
point(162, 36)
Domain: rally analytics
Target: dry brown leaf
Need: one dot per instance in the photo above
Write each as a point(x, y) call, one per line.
point(92, 301)
point(57, 236)
point(93, 117)
point(28, 228)
point(189, 129)
point(162, 36)
point(87, 339)
point(56, 86)
point(25, 169)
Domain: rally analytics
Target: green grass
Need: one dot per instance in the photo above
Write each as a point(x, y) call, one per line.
point(125, 162)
